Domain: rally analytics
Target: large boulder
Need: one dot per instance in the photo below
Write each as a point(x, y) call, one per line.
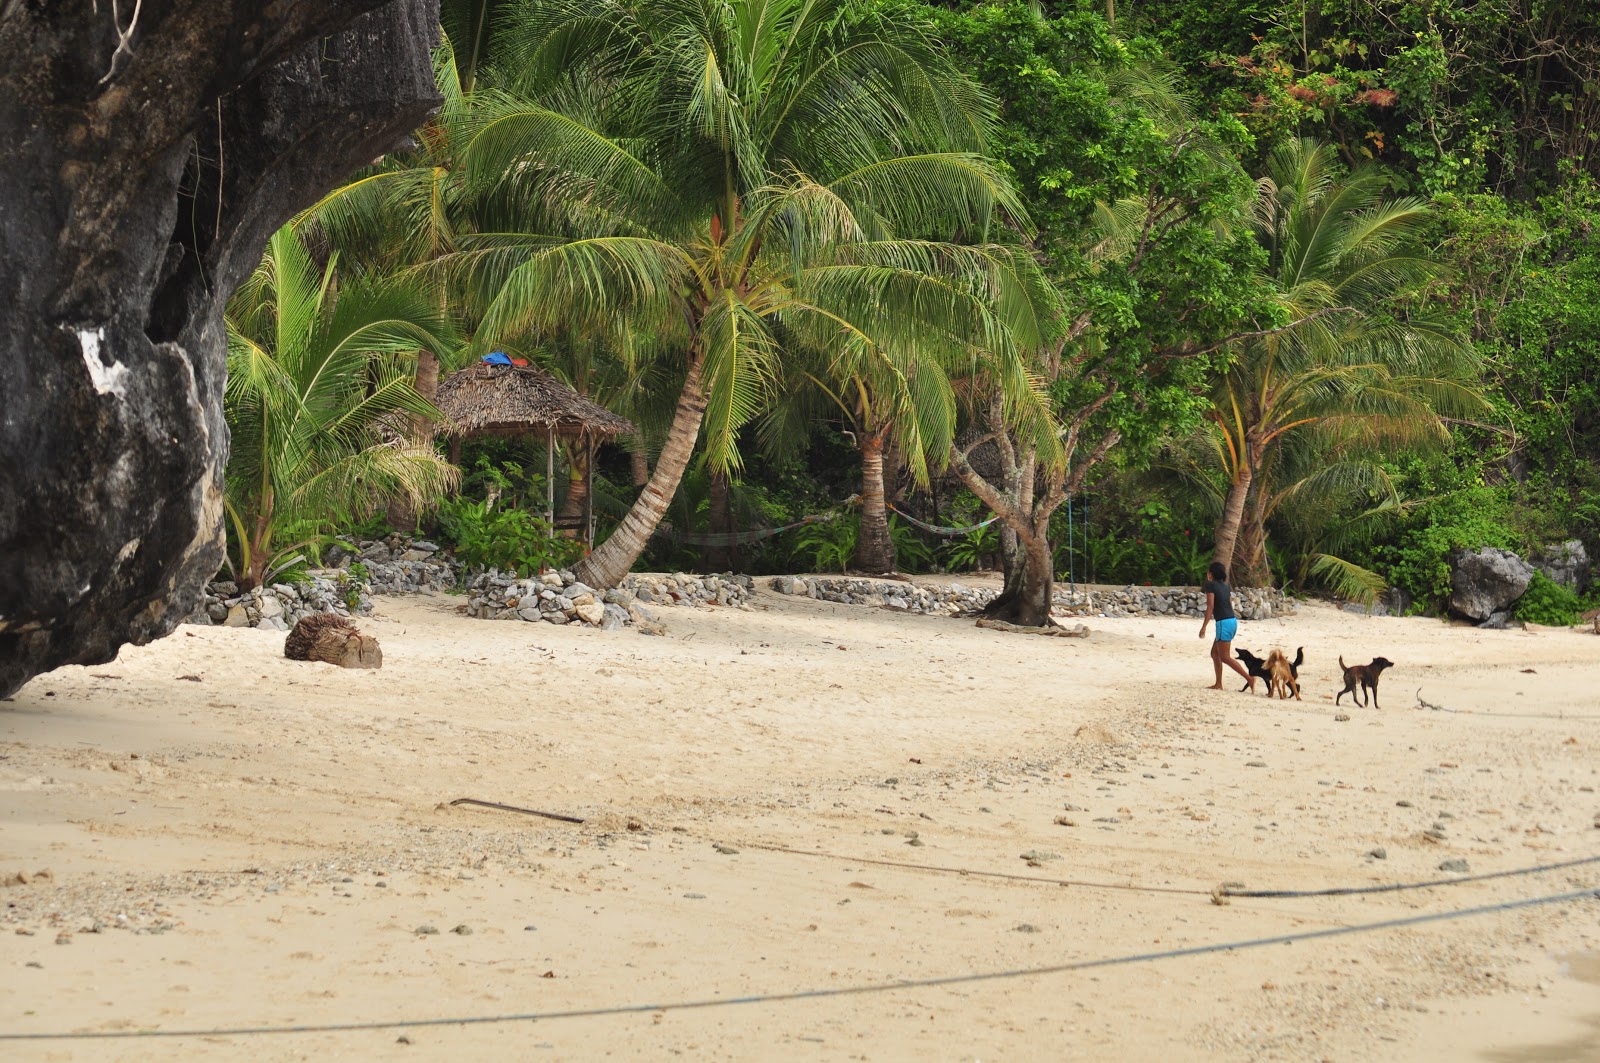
point(1485, 582)
point(146, 153)
point(1565, 563)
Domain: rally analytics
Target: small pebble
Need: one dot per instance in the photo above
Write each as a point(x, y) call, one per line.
point(530, 926)
point(461, 928)
point(1404, 804)
point(427, 929)
point(1255, 764)
point(1026, 928)
point(1380, 853)
point(726, 850)
point(695, 896)
point(1454, 865)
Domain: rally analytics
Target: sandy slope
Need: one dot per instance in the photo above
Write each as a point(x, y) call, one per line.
point(260, 843)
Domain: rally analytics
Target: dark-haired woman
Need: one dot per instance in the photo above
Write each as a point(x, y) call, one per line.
point(1219, 607)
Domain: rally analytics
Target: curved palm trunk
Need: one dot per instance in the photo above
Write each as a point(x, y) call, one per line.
point(1233, 513)
point(612, 559)
point(874, 547)
point(639, 461)
point(1250, 566)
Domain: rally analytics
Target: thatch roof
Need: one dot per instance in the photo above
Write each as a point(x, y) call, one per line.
point(507, 400)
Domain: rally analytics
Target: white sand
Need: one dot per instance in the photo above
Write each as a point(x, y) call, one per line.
point(249, 818)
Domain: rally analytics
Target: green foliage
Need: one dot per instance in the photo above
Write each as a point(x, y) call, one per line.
point(1549, 603)
point(828, 545)
point(911, 551)
point(486, 535)
point(965, 553)
point(318, 365)
point(350, 583)
point(1418, 561)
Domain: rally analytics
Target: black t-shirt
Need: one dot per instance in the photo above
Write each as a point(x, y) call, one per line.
point(1222, 607)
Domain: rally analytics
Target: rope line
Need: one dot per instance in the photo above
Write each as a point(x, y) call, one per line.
point(988, 874)
point(754, 534)
point(1458, 880)
point(1339, 891)
point(815, 994)
point(935, 529)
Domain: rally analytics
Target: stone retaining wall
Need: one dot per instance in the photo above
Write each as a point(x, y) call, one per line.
point(279, 606)
point(955, 599)
point(560, 598)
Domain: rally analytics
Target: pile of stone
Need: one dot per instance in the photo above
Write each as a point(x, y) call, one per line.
point(955, 599)
point(561, 598)
point(1250, 603)
point(400, 565)
point(889, 594)
point(279, 606)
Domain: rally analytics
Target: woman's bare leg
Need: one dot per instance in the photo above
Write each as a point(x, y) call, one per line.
point(1226, 657)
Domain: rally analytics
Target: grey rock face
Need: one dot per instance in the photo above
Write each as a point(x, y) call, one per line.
point(1485, 582)
point(122, 234)
point(1565, 563)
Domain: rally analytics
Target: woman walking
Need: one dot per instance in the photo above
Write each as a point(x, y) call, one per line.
point(1219, 607)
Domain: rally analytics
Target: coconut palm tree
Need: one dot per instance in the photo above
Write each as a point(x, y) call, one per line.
point(319, 371)
point(735, 178)
point(1356, 368)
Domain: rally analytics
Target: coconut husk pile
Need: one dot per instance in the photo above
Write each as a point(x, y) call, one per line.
point(332, 639)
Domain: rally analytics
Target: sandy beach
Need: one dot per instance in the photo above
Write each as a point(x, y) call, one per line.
point(798, 797)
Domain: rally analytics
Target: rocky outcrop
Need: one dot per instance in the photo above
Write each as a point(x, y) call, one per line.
point(279, 606)
point(1484, 584)
point(146, 153)
point(1565, 563)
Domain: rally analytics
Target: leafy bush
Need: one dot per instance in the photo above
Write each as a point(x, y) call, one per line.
point(1548, 602)
point(827, 546)
point(512, 540)
point(967, 552)
point(1418, 562)
point(911, 551)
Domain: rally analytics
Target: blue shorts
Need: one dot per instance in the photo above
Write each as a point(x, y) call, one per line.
point(1226, 629)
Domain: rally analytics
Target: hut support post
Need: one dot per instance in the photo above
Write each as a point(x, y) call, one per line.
point(550, 476)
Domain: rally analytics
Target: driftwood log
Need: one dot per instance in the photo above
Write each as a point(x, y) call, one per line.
point(1077, 631)
point(147, 150)
point(332, 639)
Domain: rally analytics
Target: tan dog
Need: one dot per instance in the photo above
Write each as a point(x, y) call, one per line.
point(1280, 676)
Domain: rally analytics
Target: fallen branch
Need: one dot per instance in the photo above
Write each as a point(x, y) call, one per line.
point(1421, 704)
point(1077, 631)
point(514, 808)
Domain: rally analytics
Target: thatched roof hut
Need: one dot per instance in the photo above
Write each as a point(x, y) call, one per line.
point(508, 400)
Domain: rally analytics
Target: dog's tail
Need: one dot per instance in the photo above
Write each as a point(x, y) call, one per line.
point(1342, 666)
point(1299, 657)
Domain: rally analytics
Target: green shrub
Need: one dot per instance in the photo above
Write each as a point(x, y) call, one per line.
point(511, 540)
point(829, 545)
point(1548, 602)
point(1418, 562)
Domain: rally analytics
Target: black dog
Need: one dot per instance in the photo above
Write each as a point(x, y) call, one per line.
point(1257, 666)
point(1366, 675)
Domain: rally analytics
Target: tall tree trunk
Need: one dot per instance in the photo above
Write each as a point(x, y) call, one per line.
point(1030, 585)
point(639, 461)
point(579, 484)
point(1233, 515)
point(874, 547)
point(401, 513)
point(612, 559)
point(720, 558)
point(1251, 567)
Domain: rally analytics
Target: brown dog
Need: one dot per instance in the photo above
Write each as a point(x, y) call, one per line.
point(1366, 677)
point(1280, 676)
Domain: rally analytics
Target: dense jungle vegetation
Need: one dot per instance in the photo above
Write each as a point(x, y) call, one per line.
point(1312, 288)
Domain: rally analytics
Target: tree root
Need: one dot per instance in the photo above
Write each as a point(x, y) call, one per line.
point(1078, 631)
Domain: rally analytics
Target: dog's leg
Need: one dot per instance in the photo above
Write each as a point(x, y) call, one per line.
point(1375, 695)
